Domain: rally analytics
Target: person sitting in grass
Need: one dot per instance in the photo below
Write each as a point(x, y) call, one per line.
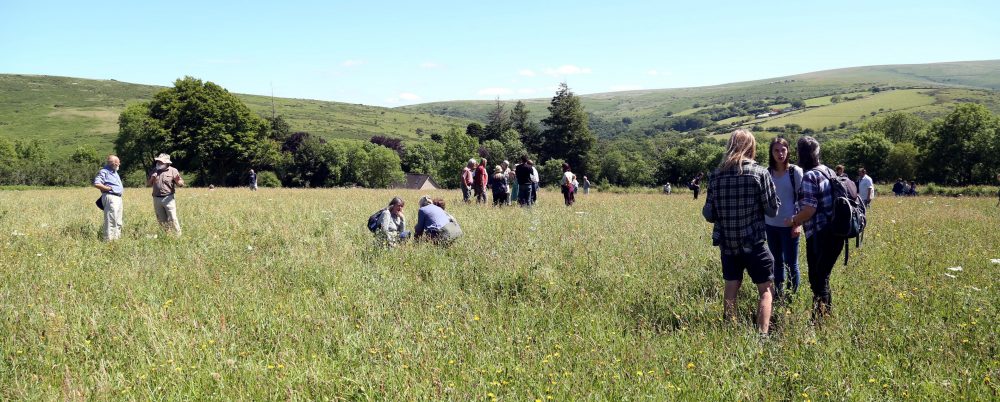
point(392, 224)
point(740, 194)
point(434, 223)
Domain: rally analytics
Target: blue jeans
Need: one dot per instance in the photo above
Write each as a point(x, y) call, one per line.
point(785, 250)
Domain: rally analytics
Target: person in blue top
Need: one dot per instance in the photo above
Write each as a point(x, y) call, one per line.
point(110, 184)
point(784, 247)
point(434, 223)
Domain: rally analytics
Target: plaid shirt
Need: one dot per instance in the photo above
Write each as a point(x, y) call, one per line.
point(815, 192)
point(737, 203)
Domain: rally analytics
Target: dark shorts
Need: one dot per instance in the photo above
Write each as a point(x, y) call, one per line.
point(759, 264)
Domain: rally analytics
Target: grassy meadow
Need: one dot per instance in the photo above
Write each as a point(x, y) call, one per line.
point(280, 294)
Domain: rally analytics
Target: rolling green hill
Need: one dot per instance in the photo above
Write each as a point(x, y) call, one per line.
point(942, 84)
point(65, 113)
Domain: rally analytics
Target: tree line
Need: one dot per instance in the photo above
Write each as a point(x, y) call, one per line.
point(215, 139)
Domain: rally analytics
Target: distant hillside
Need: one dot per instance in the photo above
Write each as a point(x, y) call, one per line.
point(941, 85)
point(66, 113)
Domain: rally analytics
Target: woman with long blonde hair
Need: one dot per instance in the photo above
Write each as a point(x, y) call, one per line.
point(740, 194)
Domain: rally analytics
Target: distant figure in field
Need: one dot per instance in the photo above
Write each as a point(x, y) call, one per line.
point(695, 184)
point(784, 247)
point(110, 184)
point(498, 184)
point(467, 180)
point(480, 181)
point(912, 189)
point(535, 178)
point(164, 179)
point(434, 223)
point(586, 185)
point(523, 174)
point(511, 181)
point(392, 224)
point(667, 189)
point(898, 188)
point(815, 213)
point(566, 183)
point(866, 188)
point(740, 194)
point(839, 169)
point(253, 180)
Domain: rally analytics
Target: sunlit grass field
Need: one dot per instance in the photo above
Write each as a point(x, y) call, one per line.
point(280, 294)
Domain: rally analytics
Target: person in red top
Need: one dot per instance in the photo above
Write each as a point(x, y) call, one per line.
point(467, 180)
point(479, 182)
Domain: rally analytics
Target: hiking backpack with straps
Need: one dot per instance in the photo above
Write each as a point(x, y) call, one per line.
point(848, 220)
point(375, 221)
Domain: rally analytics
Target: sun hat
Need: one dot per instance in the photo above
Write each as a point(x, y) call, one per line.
point(163, 158)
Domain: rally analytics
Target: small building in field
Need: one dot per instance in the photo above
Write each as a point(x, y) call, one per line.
point(417, 182)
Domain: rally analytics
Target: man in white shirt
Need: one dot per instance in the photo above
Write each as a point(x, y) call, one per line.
point(865, 187)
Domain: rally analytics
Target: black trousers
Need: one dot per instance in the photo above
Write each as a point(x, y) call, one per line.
point(822, 252)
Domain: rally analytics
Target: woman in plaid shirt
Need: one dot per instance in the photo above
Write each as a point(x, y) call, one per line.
point(815, 210)
point(740, 194)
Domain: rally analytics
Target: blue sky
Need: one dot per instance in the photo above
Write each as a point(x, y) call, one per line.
point(393, 53)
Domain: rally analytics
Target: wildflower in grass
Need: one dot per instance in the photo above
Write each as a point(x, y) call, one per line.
point(690, 365)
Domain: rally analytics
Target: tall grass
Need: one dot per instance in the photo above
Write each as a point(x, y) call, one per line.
point(280, 294)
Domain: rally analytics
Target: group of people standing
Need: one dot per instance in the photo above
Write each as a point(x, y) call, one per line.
point(519, 183)
point(759, 214)
point(163, 178)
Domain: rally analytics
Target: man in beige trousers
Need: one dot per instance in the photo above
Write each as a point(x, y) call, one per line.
point(165, 179)
point(110, 184)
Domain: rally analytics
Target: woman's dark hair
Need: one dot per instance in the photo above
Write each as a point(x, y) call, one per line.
point(439, 202)
point(771, 163)
point(396, 201)
point(808, 149)
point(565, 167)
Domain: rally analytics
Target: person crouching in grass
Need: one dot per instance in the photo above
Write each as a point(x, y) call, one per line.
point(740, 194)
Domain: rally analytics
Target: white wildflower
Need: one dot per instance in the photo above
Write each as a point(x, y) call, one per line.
point(955, 269)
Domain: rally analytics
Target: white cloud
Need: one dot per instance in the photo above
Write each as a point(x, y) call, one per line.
point(526, 72)
point(625, 87)
point(495, 91)
point(352, 63)
point(430, 65)
point(526, 91)
point(568, 69)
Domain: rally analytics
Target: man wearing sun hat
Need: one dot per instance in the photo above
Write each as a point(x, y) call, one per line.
point(165, 179)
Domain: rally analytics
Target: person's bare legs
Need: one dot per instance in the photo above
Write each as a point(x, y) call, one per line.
point(729, 300)
point(764, 306)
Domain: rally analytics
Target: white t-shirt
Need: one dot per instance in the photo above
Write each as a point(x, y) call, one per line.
point(534, 175)
point(567, 178)
point(863, 185)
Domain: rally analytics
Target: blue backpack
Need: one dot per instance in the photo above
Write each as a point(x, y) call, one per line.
point(375, 221)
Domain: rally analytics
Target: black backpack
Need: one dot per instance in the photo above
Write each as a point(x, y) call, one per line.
point(375, 221)
point(848, 221)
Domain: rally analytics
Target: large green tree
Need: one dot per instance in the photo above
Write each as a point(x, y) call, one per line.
point(497, 122)
point(961, 148)
point(458, 148)
point(527, 129)
point(566, 134)
point(204, 128)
